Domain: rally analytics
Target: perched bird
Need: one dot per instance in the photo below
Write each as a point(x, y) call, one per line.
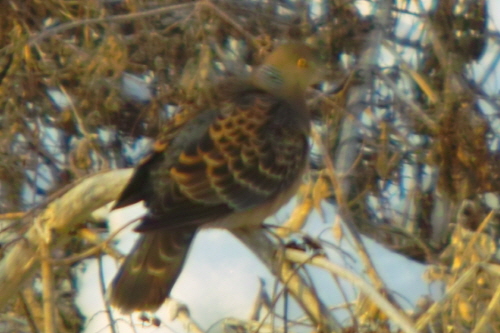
point(230, 167)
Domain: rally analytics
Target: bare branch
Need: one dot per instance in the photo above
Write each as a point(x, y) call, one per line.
point(49, 311)
point(306, 296)
point(116, 18)
point(60, 216)
point(397, 316)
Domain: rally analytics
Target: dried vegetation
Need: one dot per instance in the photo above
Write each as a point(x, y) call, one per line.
point(407, 141)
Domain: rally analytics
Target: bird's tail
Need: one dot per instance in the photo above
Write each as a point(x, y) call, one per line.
point(150, 270)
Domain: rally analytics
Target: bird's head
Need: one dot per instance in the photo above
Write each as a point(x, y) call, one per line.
point(289, 70)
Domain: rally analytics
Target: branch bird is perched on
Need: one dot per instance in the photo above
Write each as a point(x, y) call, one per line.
point(230, 168)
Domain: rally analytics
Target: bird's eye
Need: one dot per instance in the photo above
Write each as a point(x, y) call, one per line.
point(302, 63)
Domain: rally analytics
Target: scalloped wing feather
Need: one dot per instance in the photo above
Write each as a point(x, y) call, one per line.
point(223, 164)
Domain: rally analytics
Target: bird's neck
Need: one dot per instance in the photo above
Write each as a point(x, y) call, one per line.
point(296, 116)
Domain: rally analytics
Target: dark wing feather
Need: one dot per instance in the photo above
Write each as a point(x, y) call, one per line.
point(181, 133)
point(220, 164)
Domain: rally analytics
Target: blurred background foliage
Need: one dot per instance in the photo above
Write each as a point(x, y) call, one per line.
point(407, 127)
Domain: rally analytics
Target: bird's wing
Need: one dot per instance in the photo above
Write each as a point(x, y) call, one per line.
point(220, 163)
point(183, 127)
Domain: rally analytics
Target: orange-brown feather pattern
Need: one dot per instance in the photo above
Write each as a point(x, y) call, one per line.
point(242, 161)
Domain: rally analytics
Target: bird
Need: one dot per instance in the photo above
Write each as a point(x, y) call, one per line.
point(230, 166)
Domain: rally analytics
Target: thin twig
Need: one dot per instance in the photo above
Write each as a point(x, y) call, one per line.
point(83, 129)
point(398, 317)
point(109, 311)
point(228, 19)
point(349, 223)
point(12, 216)
point(94, 250)
point(116, 18)
point(437, 307)
point(307, 298)
point(285, 293)
point(479, 231)
point(428, 121)
point(29, 315)
point(492, 307)
point(418, 78)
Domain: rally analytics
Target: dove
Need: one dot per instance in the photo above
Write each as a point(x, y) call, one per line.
point(230, 166)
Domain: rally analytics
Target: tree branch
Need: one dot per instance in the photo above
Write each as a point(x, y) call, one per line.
point(266, 250)
point(59, 217)
point(396, 316)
